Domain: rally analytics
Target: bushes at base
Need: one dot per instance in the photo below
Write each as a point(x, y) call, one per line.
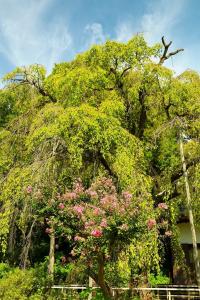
point(17, 284)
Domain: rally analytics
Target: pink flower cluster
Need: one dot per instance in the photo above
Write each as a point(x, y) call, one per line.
point(151, 223)
point(78, 209)
point(109, 202)
point(103, 223)
point(61, 206)
point(96, 233)
point(96, 211)
point(162, 206)
point(78, 187)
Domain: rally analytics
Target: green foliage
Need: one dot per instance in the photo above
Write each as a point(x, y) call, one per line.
point(4, 268)
point(18, 284)
point(115, 112)
point(155, 280)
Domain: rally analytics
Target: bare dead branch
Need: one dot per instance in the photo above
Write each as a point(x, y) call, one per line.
point(165, 54)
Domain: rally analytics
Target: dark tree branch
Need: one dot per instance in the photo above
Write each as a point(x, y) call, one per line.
point(165, 54)
point(178, 174)
point(143, 112)
point(124, 71)
point(159, 197)
point(25, 78)
point(106, 165)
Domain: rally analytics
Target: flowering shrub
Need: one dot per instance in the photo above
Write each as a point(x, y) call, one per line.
point(102, 224)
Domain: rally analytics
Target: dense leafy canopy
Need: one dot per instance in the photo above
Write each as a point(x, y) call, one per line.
point(111, 116)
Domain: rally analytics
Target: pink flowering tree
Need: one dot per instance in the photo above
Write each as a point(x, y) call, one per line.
point(102, 226)
point(101, 223)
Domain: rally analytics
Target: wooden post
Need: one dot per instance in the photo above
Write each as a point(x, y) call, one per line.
point(191, 218)
point(90, 286)
point(51, 254)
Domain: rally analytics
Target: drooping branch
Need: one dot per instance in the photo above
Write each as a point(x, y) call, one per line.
point(34, 79)
point(165, 54)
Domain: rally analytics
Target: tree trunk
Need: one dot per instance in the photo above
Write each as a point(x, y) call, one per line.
point(51, 255)
point(100, 280)
point(26, 247)
point(12, 236)
point(143, 113)
point(191, 218)
point(145, 294)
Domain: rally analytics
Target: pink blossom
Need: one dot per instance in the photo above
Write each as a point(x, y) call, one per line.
point(151, 223)
point(96, 211)
point(96, 233)
point(108, 200)
point(104, 223)
point(78, 209)
point(162, 206)
point(29, 189)
point(61, 206)
point(78, 187)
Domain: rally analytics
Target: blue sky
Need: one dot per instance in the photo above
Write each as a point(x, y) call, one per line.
point(50, 31)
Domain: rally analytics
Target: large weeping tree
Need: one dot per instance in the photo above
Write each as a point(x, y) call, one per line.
point(113, 111)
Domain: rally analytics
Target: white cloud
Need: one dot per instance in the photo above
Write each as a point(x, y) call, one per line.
point(161, 18)
point(124, 31)
point(27, 38)
point(95, 34)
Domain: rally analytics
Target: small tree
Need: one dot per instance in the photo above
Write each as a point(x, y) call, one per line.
point(102, 224)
